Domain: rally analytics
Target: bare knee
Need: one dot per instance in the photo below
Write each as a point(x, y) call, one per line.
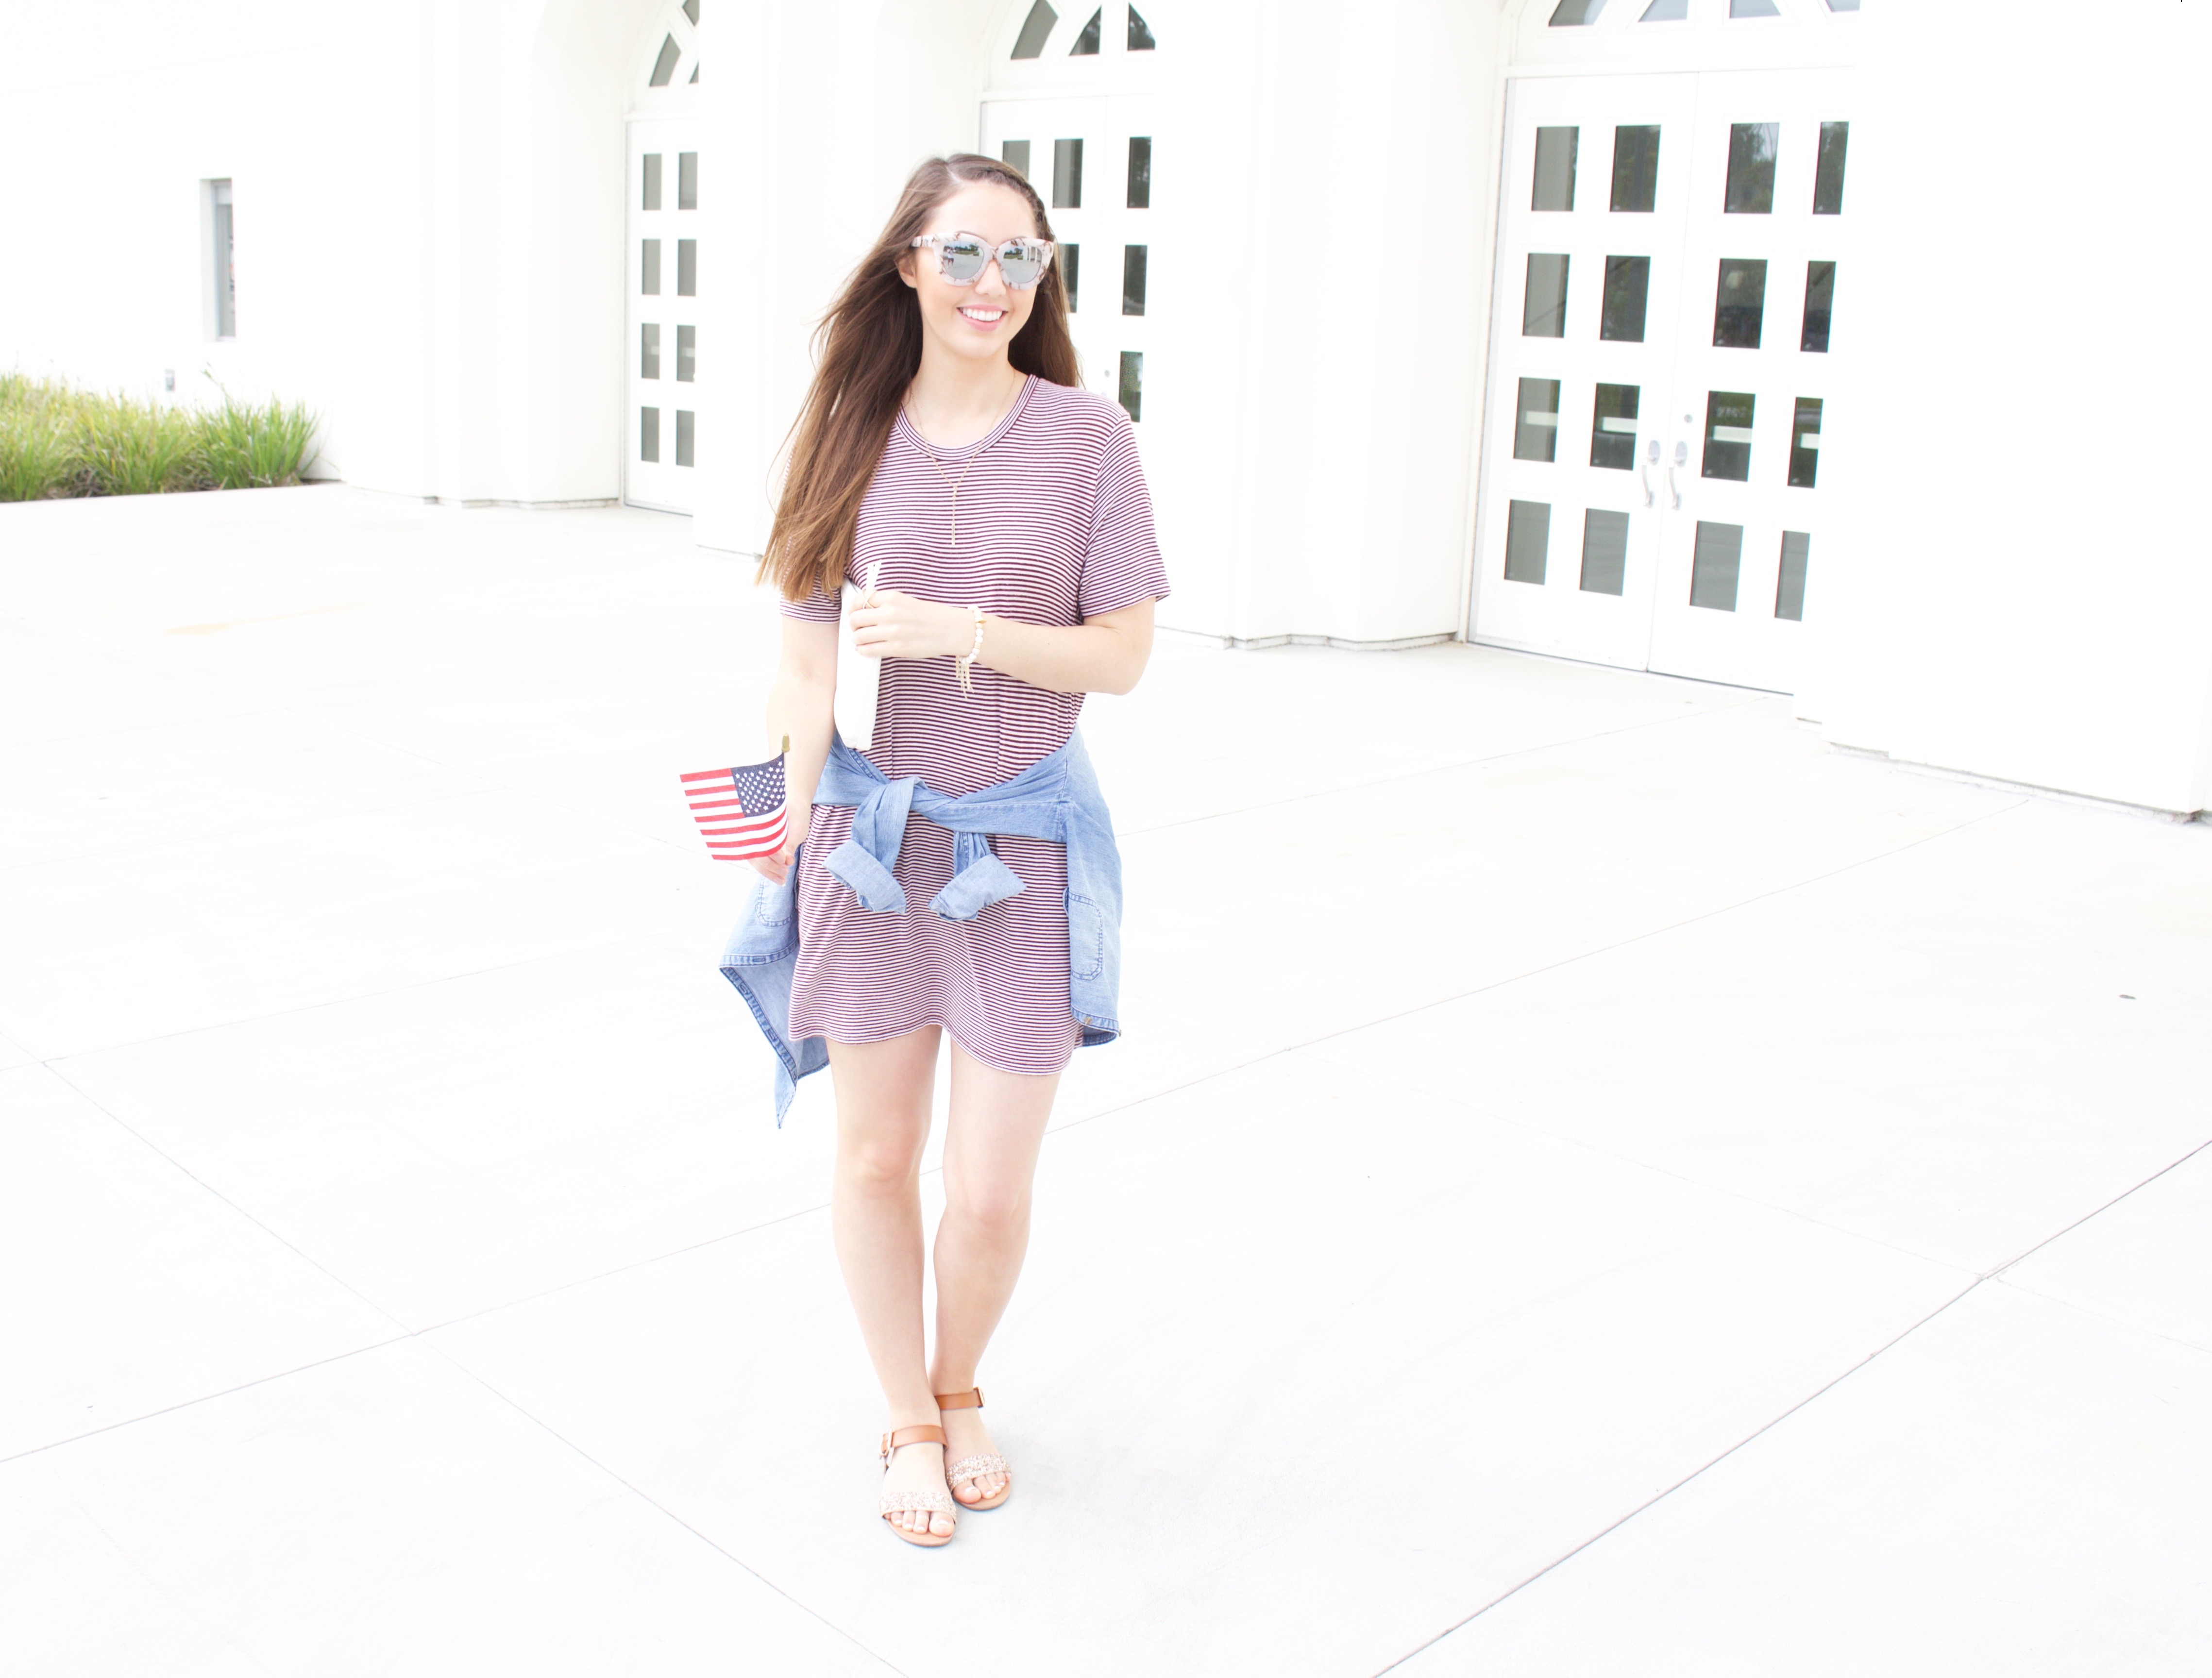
point(884, 1160)
point(997, 1212)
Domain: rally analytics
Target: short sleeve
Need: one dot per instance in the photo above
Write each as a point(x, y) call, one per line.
point(1122, 564)
point(816, 608)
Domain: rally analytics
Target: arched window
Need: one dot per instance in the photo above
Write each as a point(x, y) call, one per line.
point(668, 64)
point(1088, 38)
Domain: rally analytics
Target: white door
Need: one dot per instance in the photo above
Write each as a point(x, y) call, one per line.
point(661, 443)
point(1090, 160)
point(1668, 262)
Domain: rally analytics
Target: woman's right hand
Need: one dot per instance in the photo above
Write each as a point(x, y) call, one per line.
point(776, 867)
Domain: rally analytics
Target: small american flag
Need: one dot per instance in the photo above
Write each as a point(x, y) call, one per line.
point(739, 810)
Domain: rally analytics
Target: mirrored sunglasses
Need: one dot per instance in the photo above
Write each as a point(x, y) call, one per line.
point(961, 257)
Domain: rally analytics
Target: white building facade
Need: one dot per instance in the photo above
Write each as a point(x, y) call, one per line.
point(1837, 352)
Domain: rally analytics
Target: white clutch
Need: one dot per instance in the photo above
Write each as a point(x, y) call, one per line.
point(858, 674)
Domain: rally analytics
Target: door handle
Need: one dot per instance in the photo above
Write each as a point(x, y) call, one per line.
point(1643, 471)
point(1681, 458)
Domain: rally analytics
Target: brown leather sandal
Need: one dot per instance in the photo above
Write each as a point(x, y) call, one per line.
point(972, 1468)
point(924, 1501)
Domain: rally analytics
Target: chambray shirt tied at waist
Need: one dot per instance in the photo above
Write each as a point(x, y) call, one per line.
point(1056, 797)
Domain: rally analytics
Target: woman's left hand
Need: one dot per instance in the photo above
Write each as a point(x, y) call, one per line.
point(899, 626)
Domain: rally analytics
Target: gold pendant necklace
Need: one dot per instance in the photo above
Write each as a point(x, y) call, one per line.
point(953, 541)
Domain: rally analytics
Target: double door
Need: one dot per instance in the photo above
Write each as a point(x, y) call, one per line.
point(662, 348)
point(1668, 273)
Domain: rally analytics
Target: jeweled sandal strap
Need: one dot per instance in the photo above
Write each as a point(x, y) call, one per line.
point(917, 1500)
point(974, 1467)
point(970, 1400)
point(922, 1433)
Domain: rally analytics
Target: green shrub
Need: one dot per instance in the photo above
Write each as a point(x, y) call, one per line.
point(55, 439)
point(132, 448)
point(244, 447)
point(36, 459)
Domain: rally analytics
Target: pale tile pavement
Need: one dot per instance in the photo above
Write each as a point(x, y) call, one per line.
point(1559, 1208)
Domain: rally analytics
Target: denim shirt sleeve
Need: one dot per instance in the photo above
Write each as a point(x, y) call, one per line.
point(759, 960)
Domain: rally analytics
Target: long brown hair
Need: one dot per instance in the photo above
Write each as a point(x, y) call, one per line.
point(869, 348)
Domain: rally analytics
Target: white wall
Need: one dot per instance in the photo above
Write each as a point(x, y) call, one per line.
point(2028, 589)
point(1349, 161)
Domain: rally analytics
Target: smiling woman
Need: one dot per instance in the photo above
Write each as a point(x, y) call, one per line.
point(954, 873)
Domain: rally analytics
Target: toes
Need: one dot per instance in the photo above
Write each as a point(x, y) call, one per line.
point(940, 1526)
point(969, 1491)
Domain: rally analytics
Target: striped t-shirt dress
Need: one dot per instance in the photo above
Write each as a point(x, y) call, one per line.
point(1055, 526)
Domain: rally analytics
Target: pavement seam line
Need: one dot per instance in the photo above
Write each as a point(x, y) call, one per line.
point(1757, 1433)
point(1509, 979)
point(652, 1502)
point(1995, 1275)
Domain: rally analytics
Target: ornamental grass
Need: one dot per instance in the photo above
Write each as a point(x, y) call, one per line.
point(56, 439)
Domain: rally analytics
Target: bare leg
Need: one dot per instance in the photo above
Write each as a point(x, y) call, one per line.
point(991, 1143)
point(883, 1094)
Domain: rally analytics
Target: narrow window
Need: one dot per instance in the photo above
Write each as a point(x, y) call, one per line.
point(1528, 538)
point(1086, 41)
point(664, 65)
point(1536, 420)
point(1805, 443)
point(1036, 29)
point(1820, 306)
point(1016, 155)
point(1714, 564)
point(1141, 172)
point(652, 199)
point(1752, 147)
point(648, 268)
point(649, 351)
point(1665, 11)
point(686, 268)
point(1728, 436)
point(684, 436)
point(1132, 279)
point(1613, 426)
point(222, 266)
point(1544, 303)
point(1828, 173)
point(649, 434)
point(1070, 258)
point(1068, 174)
point(1754, 9)
point(1843, 5)
point(1636, 169)
point(687, 180)
point(1572, 14)
point(1140, 33)
point(1605, 551)
point(1555, 168)
point(1627, 293)
point(1133, 384)
point(691, 11)
point(1790, 581)
point(1740, 303)
point(687, 353)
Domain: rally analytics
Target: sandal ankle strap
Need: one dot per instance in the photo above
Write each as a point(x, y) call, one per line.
point(922, 1433)
point(970, 1400)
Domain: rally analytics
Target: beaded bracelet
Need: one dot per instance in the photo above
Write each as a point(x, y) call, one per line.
point(966, 660)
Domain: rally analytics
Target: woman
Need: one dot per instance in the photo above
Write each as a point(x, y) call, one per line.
point(947, 453)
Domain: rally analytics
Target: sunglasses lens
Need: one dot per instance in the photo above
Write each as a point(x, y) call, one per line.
point(1022, 264)
point(964, 260)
